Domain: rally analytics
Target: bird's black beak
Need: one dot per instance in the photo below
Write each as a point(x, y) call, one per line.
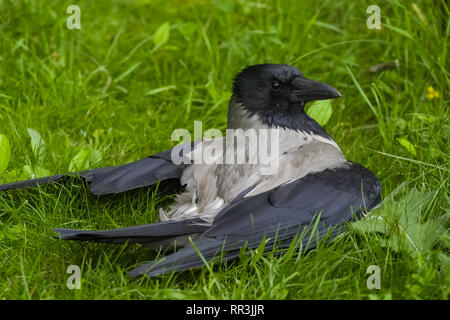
point(308, 90)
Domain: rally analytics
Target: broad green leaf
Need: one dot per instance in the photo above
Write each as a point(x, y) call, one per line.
point(187, 29)
point(407, 145)
point(79, 161)
point(401, 223)
point(5, 153)
point(15, 175)
point(84, 159)
point(36, 172)
point(37, 144)
point(372, 223)
point(162, 34)
point(95, 157)
point(321, 111)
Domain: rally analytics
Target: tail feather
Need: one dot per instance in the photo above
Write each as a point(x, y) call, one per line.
point(156, 234)
point(216, 249)
point(186, 258)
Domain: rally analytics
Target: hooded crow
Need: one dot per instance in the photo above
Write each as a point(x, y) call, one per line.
point(227, 207)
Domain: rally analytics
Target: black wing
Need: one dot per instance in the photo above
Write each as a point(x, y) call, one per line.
point(337, 195)
point(142, 173)
point(160, 235)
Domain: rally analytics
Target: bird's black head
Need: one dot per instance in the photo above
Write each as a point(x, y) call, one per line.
point(277, 93)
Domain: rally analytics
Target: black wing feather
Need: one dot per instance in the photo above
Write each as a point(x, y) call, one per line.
point(116, 179)
point(154, 234)
point(338, 195)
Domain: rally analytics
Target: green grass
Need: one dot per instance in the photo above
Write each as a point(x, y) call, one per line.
point(108, 94)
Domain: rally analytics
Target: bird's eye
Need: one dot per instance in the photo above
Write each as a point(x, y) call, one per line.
point(275, 85)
